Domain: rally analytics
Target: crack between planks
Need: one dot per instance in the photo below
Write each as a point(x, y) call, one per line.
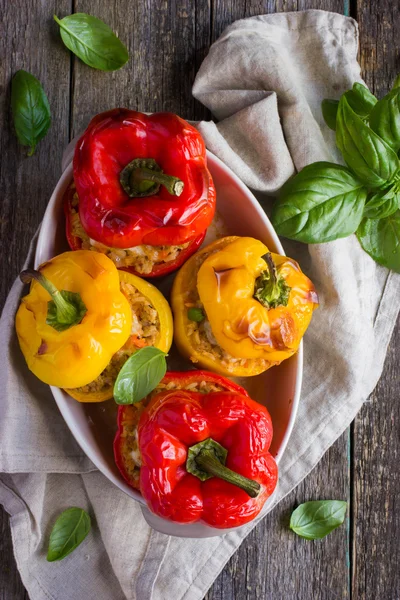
point(71, 84)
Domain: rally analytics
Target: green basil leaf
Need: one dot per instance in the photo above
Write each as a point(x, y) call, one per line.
point(329, 111)
point(396, 82)
point(382, 204)
point(369, 157)
point(380, 238)
point(385, 119)
point(314, 520)
point(92, 41)
point(30, 109)
point(321, 203)
point(141, 373)
point(70, 529)
point(361, 100)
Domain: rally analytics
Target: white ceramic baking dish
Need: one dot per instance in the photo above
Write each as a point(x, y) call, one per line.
point(94, 425)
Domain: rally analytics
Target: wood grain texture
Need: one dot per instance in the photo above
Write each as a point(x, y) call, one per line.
point(376, 441)
point(167, 41)
point(275, 564)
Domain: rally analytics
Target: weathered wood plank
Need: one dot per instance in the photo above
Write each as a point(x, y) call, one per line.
point(29, 40)
point(274, 563)
point(376, 479)
point(167, 43)
point(224, 12)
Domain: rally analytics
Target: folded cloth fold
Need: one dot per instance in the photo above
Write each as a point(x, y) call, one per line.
point(263, 80)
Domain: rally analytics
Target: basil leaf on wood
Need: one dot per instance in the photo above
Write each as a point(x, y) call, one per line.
point(314, 520)
point(321, 203)
point(92, 41)
point(382, 204)
point(380, 238)
point(141, 373)
point(30, 109)
point(369, 157)
point(70, 529)
point(385, 119)
point(329, 111)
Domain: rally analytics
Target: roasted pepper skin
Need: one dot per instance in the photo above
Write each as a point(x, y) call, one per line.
point(285, 325)
point(128, 415)
point(177, 420)
point(112, 140)
point(75, 243)
point(163, 341)
point(76, 356)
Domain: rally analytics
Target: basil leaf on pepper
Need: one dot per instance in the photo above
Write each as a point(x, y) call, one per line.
point(141, 373)
point(30, 109)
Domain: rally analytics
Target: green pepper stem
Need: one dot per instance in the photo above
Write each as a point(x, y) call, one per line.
point(270, 289)
point(207, 462)
point(172, 184)
point(67, 313)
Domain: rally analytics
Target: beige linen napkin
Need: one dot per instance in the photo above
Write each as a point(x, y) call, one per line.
point(263, 80)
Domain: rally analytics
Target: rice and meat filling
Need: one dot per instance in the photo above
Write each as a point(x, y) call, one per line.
point(129, 437)
point(145, 331)
point(142, 258)
point(201, 336)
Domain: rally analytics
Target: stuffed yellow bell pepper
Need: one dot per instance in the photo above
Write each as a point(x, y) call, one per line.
point(73, 319)
point(151, 326)
point(83, 319)
point(240, 309)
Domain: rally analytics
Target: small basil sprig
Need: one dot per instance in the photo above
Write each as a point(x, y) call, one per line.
point(30, 109)
point(322, 203)
point(70, 529)
point(385, 119)
point(314, 520)
point(92, 41)
point(359, 98)
point(367, 155)
point(141, 373)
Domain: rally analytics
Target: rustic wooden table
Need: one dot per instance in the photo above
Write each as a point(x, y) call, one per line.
point(167, 43)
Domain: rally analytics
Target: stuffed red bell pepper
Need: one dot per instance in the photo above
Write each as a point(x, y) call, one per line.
point(144, 195)
point(204, 455)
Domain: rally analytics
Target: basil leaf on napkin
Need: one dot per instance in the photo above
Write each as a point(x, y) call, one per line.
point(321, 203)
point(329, 112)
point(30, 109)
point(141, 373)
point(360, 99)
point(70, 529)
point(369, 157)
point(314, 520)
point(92, 41)
point(385, 119)
point(380, 238)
